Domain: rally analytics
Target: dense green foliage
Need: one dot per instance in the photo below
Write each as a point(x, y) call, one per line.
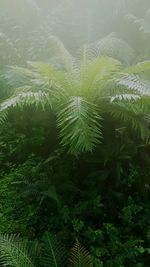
point(74, 134)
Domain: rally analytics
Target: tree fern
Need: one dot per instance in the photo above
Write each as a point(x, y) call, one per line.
point(81, 92)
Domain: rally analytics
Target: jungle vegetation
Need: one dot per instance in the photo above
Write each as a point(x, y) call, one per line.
point(75, 133)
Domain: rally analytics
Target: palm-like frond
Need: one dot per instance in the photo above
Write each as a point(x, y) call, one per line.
point(13, 252)
point(53, 77)
point(62, 52)
point(80, 257)
point(111, 46)
point(3, 116)
point(139, 68)
point(54, 254)
point(125, 97)
point(26, 98)
point(79, 124)
point(135, 83)
point(131, 114)
point(96, 72)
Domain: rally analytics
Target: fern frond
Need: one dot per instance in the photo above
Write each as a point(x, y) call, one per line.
point(79, 124)
point(24, 72)
point(111, 46)
point(54, 254)
point(3, 116)
point(80, 257)
point(18, 76)
point(27, 98)
point(131, 114)
point(97, 72)
point(54, 78)
point(128, 97)
point(139, 68)
point(87, 52)
point(13, 252)
point(136, 83)
point(147, 117)
point(63, 53)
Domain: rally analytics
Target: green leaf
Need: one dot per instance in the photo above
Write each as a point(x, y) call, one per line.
point(80, 257)
point(13, 252)
point(53, 253)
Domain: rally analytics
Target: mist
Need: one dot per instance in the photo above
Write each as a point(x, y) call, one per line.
point(75, 133)
point(30, 23)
